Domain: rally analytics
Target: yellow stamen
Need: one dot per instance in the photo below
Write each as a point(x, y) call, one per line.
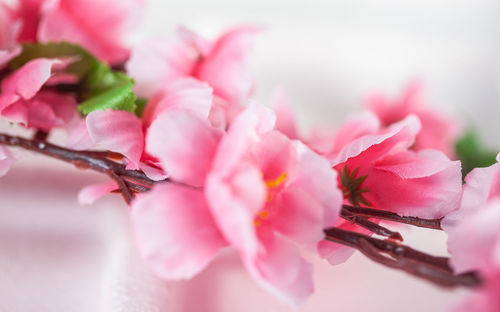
point(257, 222)
point(264, 214)
point(276, 182)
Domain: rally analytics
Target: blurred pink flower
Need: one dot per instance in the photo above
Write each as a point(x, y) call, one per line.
point(252, 188)
point(99, 26)
point(439, 131)
point(223, 64)
point(23, 100)
point(379, 171)
point(474, 235)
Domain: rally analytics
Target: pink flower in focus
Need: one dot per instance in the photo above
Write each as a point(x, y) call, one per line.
point(23, 100)
point(252, 188)
point(379, 171)
point(439, 131)
point(223, 64)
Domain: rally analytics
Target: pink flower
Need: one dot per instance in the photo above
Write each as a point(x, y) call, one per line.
point(99, 26)
point(252, 188)
point(223, 64)
point(439, 131)
point(124, 132)
point(379, 171)
point(473, 233)
point(23, 100)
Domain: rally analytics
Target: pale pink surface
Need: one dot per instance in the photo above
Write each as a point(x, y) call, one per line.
point(98, 26)
point(223, 64)
point(6, 160)
point(439, 131)
point(118, 131)
point(9, 28)
point(174, 230)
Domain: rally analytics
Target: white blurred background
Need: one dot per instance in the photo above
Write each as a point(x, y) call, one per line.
point(327, 55)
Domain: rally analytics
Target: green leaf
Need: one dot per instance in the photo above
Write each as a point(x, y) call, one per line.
point(83, 63)
point(99, 86)
point(119, 97)
point(472, 152)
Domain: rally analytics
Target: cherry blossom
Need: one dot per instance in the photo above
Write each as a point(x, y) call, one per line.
point(379, 171)
point(222, 63)
point(251, 188)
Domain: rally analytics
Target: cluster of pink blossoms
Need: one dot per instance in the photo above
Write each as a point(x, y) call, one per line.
point(236, 173)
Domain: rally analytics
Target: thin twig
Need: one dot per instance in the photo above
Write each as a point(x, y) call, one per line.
point(371, 226)
point(391, 216)
point(83, 160)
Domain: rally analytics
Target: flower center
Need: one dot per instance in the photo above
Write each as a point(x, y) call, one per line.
point(272, 186)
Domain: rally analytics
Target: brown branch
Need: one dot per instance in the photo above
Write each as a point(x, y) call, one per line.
point(394, 255)
point(391, 216)
point(371, 226)
point(82, 160)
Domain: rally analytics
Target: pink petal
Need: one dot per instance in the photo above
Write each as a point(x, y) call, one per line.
point(280, 269)
point(6, 160)
point(227, 67)
point(234, 204)
point(158, 62)
point(356, 126)
point(299, 216)
point(481, 185)
point(184, 93)
point(314, 175)
point(77, 134)
point(285, 120)
point(185, 145)
point(475, 243)
point(27, 80)
point(89, 194)
point(399, 137)
point(432, 193)
point(153, 172)
point(174, 231)
point(98, 26)
point(118, 131)
point(44, 111)
point(7, 55)
point(243, 132)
